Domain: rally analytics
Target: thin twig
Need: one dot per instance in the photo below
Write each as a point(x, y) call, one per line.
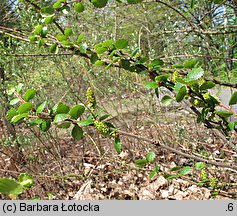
point(157, 144)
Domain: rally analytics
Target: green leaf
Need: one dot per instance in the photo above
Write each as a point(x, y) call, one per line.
point(186, 170)
point(45, 125)
point(53, 48)
point(192, 4)
point(231, 126)
point(175, 168)
point(223, 113)
point(47, 10)
point(41, 107)
point(30, 94)
point(125, 64)
point(57, 5)
point(181, 94)
point(11, 113)
point(77, 133)
point(10, 186)
point(48, 19)
point(19, 87)
point(152, 174)
point(26, 180)
point(14, 101)
point(64, 125)
point(194, 75)
point(41, 43)
point(156, 63)
point(79, 7)
point(121, 44)
point(233, 99)
point(60, 108)
point(166, 100)
point(107, 43)
point(25, 108)
point(38, 29)
point(10, 90)
point(35, 198)
point(99, 3)
point(61, 37)
point(134, 1)
point(117, 145)
point(207, 85)
point(99, 63)
point(134, 52)
point(94, 58)
point(199, 165)
point(60, 117)
point(204, 182)
point(162, 77)
point(101, 50)
point(170, 177)
point(151, 85)
point(86, 122)
point(18, 118)
point(178, 86)
point(218, 1)
point(83, 48)
point(68, 32)
point(190, 63)
point(140, 163)
point(33, 38)
point(34, 122)
point(77, 111)
point(150, 156)
point(80, 38)
point(104, 117)
point(177, 66)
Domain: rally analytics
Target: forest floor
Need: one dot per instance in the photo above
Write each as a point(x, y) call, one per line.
point(91, 168)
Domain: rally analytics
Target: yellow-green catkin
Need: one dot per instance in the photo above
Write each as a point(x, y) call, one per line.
point(101, 128)
point(201, 81)
point(90, 98)
point(175, 76)
point(204, 174)
point(213, 183)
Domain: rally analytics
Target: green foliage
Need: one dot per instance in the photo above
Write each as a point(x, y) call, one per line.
point(186, 170)
point(207, 85)
point(154, 172)
point(121, 44)
point(166, 100)
point(77, 133)
point(134, 1)
point(142, 162)
point(60, 117)
point(190, 63)
point(233, 99)
point(11, 186)
point(79, 7)
point(54, 48)
point(99, 3)
point(181, 94)
point(41, 107)
point(30, 94)
point(151, 85)
point(118, 145)
point(77, 111)
point(25, 108)
point(60, 108)
point(150, 157)
point(194, 75)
